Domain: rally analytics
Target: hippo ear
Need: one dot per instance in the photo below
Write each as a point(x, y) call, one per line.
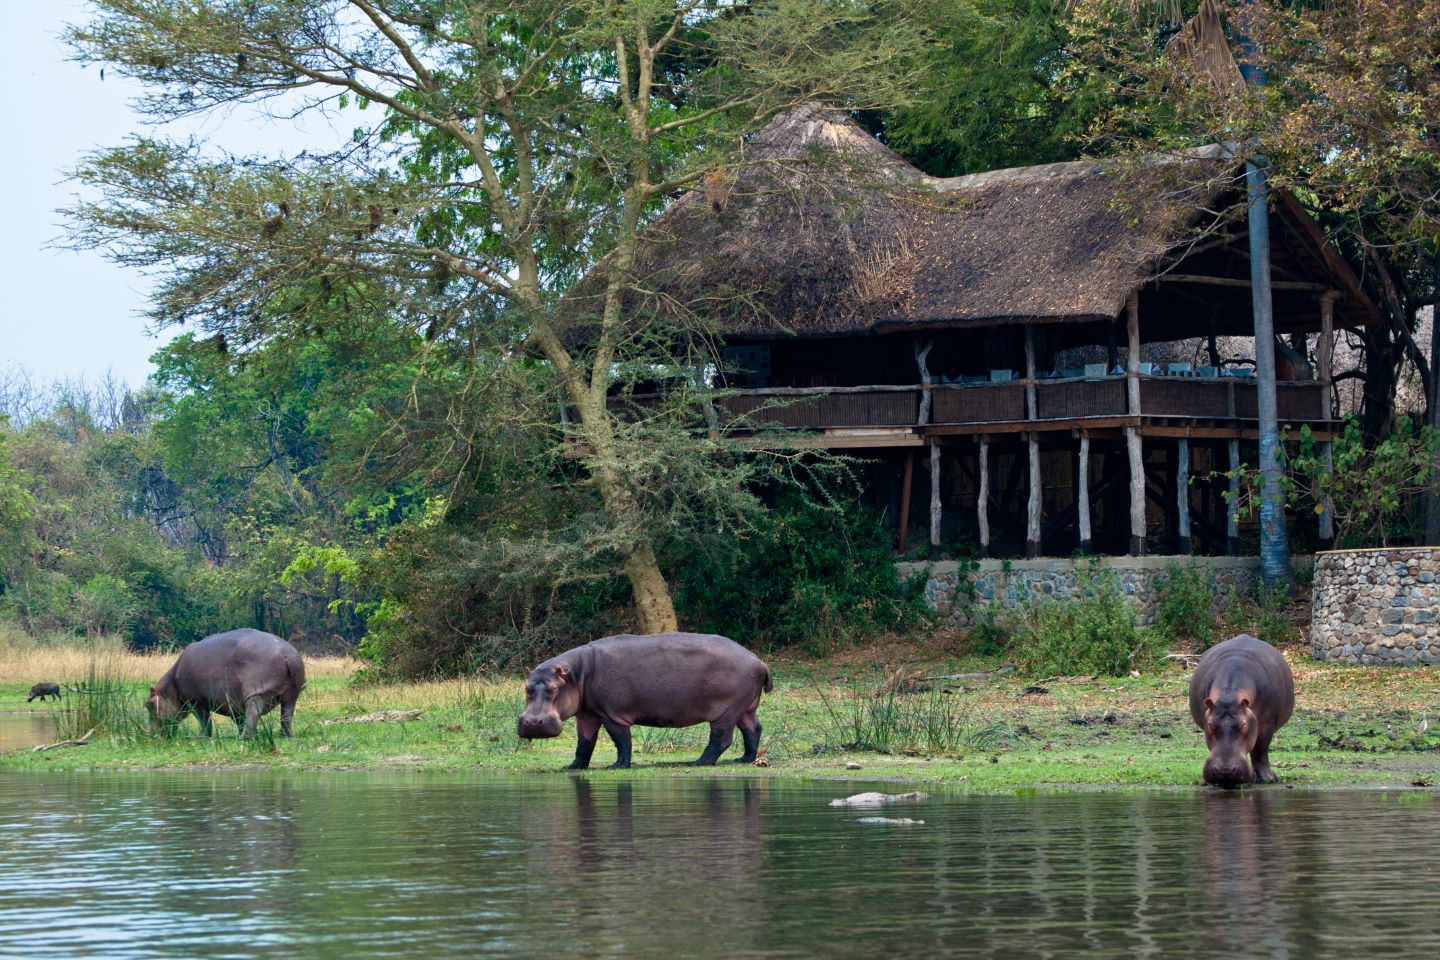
point(525, 673)
point(1244, 703)
point(562, 673)
point(1209, 704)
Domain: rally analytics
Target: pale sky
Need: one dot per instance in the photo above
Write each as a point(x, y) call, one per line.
point(67, 313)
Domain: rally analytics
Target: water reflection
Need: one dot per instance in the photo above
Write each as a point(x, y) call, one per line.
point(409, 865)
point(20, 730)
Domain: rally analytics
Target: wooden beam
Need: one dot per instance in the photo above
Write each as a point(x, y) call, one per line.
point(1133, 448)
point(1244, 284)
point(906, 479)
point(1232, 505)
point(1182, 493)
point(982, 499)
point(1031, 411)
point(1324, 349)
point(1134, 451)
point(1032, 506)
point(934, 494)
point(1082, 497)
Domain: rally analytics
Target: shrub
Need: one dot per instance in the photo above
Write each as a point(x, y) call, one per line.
point(1183, 598)
point(1093, 632)
point(805, 574)
point(1272, 617)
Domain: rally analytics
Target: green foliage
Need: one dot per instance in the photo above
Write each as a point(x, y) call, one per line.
point(16, 512)
point(888, 721)
point(1375, 486)
point(1183, 599)
point(1272, 619)
point(993, 94)
point(807, 573)
point(1093, 632)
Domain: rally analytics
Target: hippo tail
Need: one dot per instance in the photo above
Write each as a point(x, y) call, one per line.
point(769, 681)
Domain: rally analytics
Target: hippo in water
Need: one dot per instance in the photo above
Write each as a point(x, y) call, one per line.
point(241, 674)
point(1240, 694)
point(660, 680)
point(44, 691)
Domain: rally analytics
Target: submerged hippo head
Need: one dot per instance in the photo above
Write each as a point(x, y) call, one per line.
point(551, 697)
point(1231, 729)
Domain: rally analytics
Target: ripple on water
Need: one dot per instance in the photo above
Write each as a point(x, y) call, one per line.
point(436, 866)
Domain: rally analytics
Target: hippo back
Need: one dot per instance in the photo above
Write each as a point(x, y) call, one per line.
point(670, 679)
point(238, 664)
point(1250, 661)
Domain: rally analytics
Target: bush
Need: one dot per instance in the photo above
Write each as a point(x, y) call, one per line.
point(1094, 632)
point(1183, 598)
point(807, 574)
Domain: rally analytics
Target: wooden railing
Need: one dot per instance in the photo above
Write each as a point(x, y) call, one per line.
point(1004, 402)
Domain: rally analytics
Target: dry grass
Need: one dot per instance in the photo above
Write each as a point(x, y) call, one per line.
point(24, 660)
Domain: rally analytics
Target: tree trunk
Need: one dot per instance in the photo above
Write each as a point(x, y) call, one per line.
point(653, 605)
point(1432, 404)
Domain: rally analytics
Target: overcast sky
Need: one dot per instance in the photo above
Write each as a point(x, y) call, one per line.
point(66, 313)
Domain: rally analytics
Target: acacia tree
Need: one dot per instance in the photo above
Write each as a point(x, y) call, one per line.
point(519, 142)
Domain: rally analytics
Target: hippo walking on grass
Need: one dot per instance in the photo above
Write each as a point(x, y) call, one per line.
point(241, 674)
point(1242, 691)
point(661, 680)
point(43, 692)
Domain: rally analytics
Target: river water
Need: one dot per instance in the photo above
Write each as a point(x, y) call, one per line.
point(411, 865)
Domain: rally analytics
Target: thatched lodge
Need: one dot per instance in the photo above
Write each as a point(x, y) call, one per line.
point(1038, 354)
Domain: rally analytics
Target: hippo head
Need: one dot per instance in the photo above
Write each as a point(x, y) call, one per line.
point(163, 706)
point(552, 696)
point(1231, 730)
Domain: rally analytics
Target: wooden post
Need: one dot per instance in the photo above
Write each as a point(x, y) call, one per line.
point(934, 493)
point(982, 500)
point(921, 361)
point(905, 497)
point(1082, 499)
point(1133, 446)
point(1232, 507)
point(1030, 399)
point(1182, 494)
point(1326, 375)
point(1032, 507)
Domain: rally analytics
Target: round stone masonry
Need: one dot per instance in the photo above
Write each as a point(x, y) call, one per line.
point(1376, 607)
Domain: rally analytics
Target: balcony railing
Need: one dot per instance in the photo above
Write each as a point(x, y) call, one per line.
point(816, 408)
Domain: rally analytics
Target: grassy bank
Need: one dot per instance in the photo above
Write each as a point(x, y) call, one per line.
point(999, 731)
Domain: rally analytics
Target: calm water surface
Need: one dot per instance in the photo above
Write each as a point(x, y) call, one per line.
point(25, 729)
point(374, 865)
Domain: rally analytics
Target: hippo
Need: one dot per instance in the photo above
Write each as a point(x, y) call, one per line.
point(240, 674)
point(1240, 694)
point(658, 680)
point(44, 691)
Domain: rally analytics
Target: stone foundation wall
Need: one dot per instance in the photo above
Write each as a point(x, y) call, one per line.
point(961, 593)
point(1376, 607)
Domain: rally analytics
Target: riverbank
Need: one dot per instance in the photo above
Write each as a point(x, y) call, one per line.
point(863, 716)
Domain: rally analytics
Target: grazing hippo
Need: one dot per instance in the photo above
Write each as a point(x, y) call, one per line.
point(45, 691)
point(661, 680)
point(241, 674)
point(1240, 694)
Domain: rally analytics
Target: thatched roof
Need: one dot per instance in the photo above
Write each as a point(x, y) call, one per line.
point(824, 231)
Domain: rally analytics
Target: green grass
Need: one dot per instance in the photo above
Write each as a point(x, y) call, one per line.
point(1353, 727)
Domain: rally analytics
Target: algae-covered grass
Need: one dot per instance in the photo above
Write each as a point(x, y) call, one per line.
point(997, 731)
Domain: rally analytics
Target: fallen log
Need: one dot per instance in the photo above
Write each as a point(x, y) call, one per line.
point(42, 747)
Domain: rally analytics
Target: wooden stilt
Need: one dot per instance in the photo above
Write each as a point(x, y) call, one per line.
point(1082, 497)
point(1232, 507)
point(1327, 508)
point(934, 493)
point(982, 498)
point(1133, 450)
point(1032, 506)
point(905, 497)
point(1133, 447)
point(1182, 495)
point(1325, 374)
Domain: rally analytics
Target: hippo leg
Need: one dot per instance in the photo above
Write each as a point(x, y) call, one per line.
point(621, 735)
point(720, 736)
point(254, 706)
point(587, 731)
point(202, 713)
point(287, 716)
point(750, 734)
point(1260, 761)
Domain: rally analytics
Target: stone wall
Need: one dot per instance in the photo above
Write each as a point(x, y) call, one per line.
point(1376, 606)
point(961, 591)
